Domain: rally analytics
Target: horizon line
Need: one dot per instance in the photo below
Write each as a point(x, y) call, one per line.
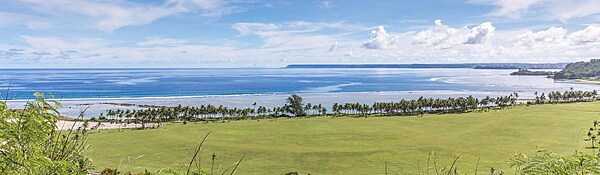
point(279, 67)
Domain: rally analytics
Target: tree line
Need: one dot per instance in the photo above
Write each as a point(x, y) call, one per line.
point(295, 107)
point(565, 97)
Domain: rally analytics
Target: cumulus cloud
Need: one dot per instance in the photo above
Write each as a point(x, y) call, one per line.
point(480, 34)
point(559, 37)
point(552, 35)
point(444, 36)
point(481, 42)
point(379, 39)
point(437, 35)
point(589, 35)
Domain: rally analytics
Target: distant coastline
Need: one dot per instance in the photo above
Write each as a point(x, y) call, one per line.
point(456, 66)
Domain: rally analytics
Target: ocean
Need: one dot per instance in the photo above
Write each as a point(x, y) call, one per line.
point(269, 87)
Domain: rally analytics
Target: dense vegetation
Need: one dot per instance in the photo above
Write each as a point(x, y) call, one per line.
point(295, 107)
point(580, 70)
point(31, 144)
point(527, 72)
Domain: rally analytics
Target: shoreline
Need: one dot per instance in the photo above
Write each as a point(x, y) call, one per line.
point(95, 125)
point(73, 107)
point(587, 81)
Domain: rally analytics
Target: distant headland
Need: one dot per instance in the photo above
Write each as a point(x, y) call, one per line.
point(465, 65)
point(580, 70)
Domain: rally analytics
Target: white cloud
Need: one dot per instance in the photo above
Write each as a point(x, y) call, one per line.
point(483, 43)
point(306, 42)
point(566, 10)
point(589, 35)
point(109, 16)
point(379, 39)
point(480, 34)
point(209, 7)
point(208, 4)
point(48, 51)
point(439, 34)
point(297, 35)
point(295, 27)
point(559, 38)
point(325, 4)
point(261, 29)
point(443, 36)
point(550, 36)
point(283, 43)
point(113, 15)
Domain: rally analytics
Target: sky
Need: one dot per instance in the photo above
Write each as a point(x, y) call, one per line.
point(275, 33)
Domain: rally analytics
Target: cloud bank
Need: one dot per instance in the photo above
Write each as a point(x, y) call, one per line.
point(305, 42)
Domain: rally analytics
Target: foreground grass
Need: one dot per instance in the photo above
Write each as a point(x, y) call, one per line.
point(353, 145)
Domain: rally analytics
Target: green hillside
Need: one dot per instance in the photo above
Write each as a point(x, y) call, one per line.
point(580, 70)
point(344, 145)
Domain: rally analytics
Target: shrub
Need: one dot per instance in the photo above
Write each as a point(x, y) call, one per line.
point(548, 163)
point(30, 142)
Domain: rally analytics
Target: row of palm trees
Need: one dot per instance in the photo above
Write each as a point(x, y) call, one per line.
point(296, 108)
point(425, 105)
point(565, 97)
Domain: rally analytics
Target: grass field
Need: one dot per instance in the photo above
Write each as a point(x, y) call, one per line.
point(354, 145)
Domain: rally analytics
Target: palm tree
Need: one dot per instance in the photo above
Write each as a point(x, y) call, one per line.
point(295, 105)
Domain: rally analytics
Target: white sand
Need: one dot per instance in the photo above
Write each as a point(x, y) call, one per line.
point(66, 125)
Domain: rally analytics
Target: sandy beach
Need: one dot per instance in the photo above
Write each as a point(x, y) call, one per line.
point(68, 124)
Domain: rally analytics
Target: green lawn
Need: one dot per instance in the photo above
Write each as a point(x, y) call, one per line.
point(353, 145)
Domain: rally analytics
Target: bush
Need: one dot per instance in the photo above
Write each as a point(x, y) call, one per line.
point(548, 163)
point(30, 142)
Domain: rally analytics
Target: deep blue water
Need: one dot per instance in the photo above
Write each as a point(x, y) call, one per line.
point(128, 83)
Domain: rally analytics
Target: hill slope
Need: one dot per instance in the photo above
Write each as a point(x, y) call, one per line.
point(580, 70)
point(353, 145)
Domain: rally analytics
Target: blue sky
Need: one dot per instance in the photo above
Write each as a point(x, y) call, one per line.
point(256, 33)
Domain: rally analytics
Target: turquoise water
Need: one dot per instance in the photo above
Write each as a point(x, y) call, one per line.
point(136, 83)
